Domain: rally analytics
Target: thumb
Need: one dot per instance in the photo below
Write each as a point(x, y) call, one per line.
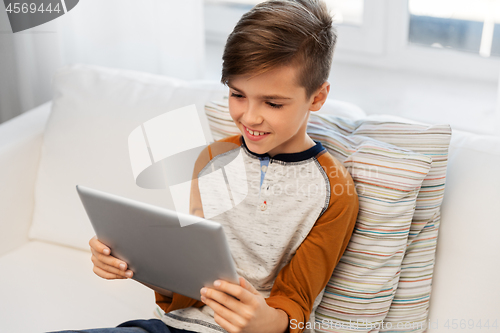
point(245, 284)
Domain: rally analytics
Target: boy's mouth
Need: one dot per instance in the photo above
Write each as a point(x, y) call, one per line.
point(253, 132)
point(255, 135)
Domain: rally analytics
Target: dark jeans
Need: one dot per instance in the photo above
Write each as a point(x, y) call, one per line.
point(134, 326)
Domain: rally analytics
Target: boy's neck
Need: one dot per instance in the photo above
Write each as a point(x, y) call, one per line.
point(306, 144)
point(310, 147)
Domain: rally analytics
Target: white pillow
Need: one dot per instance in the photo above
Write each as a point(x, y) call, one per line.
point(86, 142)
point(341, 109)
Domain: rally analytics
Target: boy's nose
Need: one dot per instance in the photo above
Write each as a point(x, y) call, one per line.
point(252, 116)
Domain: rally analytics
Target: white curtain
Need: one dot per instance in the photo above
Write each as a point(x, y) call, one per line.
point(157, 36)
point(497, 111)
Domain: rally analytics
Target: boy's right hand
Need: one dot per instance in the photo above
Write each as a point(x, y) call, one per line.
point(105, 265)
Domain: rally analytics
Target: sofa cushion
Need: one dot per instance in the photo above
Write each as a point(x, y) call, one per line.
point(20, 142)
point(47, 287)
point(465, 288)
point(86, 142)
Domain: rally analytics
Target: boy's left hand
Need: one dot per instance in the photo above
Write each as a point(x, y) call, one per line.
point(241, 308)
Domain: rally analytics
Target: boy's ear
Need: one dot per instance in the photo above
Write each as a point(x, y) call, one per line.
point(319, 97)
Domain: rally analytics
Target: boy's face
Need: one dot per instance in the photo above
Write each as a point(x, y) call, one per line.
point(275, 104)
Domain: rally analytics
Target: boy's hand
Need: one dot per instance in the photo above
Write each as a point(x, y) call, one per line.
point(105, 265)
point(240, 308)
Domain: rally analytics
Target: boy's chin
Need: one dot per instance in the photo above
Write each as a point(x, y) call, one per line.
point(255, 144)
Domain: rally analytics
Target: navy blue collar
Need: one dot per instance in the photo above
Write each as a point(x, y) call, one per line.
point(290, 157)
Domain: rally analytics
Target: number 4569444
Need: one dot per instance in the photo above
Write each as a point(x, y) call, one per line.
point(25, 8)
point(470, 324)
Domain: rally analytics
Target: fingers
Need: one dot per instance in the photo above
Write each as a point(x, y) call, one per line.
point(106, 275)
point(99, 260)
point(235, 290)
point(225, 324)
point(235, 306)
point(98, 246)
point(110, 260)
point(248, 286)
point(220, 297)
point(108, 267)
point(231, 319)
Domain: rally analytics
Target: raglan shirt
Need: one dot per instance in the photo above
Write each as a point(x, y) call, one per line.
point(287, 218)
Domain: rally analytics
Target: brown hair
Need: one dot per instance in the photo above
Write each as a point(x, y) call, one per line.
point(279, 33)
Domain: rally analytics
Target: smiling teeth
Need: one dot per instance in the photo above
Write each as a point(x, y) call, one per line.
point(255, 133)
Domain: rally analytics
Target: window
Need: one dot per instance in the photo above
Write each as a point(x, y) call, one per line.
point(358, 22)
point(349, 12)
point(457, 38)
point(464, 25)
point(345, 11)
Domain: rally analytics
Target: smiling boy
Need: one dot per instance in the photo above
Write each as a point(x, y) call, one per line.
point(300, 205)
point(285, 243)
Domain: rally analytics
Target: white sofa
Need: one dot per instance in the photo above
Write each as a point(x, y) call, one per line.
point(46, 285)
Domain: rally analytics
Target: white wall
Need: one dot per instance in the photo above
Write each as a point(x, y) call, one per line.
point(156, 36)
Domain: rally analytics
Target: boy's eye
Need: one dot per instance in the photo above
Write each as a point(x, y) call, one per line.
point(276, 106)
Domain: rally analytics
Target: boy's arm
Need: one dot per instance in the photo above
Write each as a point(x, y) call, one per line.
point(307, 274)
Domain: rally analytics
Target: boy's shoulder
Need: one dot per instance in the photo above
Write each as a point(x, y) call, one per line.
point(226, 144)
point(342, 187)
point(236, 139)
point(218, 147)
point(332, 166)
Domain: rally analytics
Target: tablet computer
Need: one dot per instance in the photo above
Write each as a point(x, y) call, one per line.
point(162, 254)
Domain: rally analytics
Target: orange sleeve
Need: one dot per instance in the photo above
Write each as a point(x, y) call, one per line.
point(178, 301)
point(307, 274)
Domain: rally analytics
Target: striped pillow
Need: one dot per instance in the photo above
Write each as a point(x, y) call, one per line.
point(388, 180)
point(411, 302)
point(221, 123)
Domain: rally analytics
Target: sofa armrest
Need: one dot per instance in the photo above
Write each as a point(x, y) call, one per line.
point(20, 145)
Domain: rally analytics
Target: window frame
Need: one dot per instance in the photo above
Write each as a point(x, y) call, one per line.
point(399, 54)
point(381, 41)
